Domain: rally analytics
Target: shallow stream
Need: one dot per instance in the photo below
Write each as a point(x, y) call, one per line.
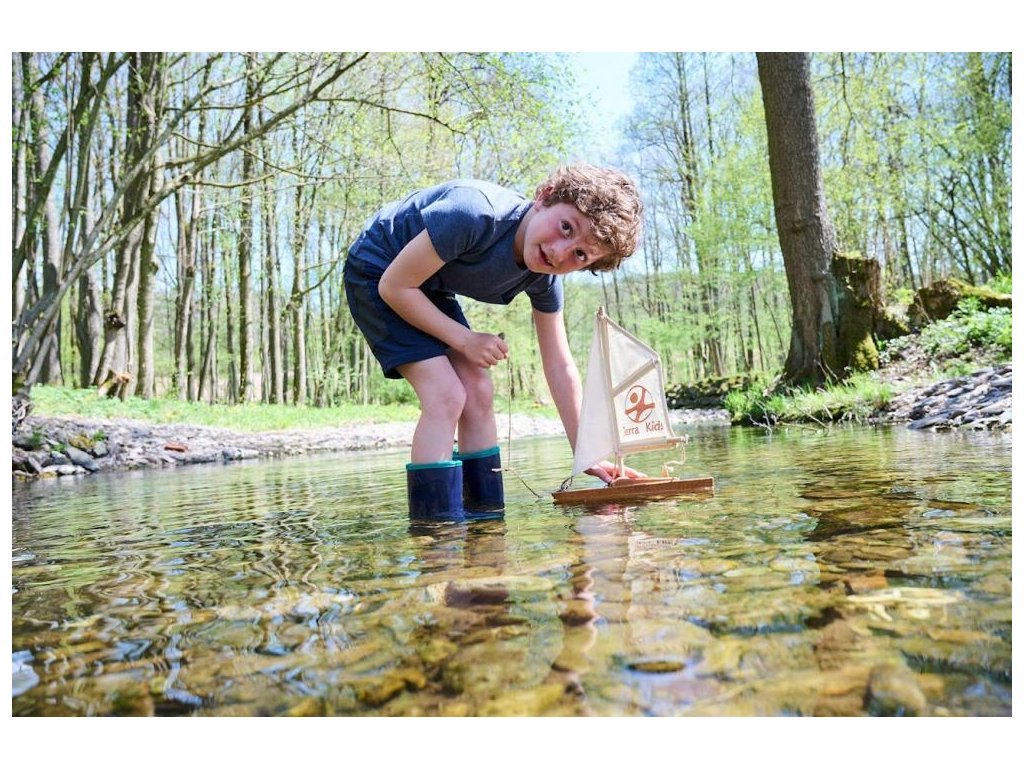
point(844, 571)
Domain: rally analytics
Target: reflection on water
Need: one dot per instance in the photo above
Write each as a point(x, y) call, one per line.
point(855, 571)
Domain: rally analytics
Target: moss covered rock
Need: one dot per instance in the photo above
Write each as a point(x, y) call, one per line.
point(938, 300)
point(890, 324)
point(707, 393)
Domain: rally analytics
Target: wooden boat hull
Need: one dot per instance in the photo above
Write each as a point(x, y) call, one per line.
point(636, 490)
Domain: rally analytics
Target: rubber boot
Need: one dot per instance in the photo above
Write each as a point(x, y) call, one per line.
point(483, 489)
point(435, 491)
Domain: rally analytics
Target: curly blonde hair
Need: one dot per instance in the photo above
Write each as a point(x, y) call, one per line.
point(609, 199)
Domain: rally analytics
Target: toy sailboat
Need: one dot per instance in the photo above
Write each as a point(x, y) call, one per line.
point(624, 411)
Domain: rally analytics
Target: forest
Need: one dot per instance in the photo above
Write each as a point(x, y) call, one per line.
point(180, 220)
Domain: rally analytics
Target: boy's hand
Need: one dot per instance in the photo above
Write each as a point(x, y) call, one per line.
point(484, 349)
point(608, 471)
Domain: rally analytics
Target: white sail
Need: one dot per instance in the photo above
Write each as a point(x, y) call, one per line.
point(595, 439)
point(624, 407)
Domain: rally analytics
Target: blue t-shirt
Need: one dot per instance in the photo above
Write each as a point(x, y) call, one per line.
point(472, 226)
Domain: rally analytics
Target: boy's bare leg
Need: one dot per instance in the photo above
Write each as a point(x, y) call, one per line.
point(477, 427)
point(442, 398)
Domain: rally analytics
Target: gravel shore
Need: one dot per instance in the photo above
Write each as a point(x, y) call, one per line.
point(58, 445)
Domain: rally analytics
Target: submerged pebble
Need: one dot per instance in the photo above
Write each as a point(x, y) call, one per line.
point(496, 589)
point(893, 690)
point(23, 677)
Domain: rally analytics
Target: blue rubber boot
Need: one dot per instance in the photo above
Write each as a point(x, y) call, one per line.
point(435, 491)
point(483, 489)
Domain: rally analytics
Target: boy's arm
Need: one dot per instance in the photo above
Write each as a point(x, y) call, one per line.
point(400, 287)
point(563, 379)
point(560, 370)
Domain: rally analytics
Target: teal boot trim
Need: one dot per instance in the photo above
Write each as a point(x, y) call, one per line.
point(492, 451)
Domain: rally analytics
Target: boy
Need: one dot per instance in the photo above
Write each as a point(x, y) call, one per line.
point(477, 239)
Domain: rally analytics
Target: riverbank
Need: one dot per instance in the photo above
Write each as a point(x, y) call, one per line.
point(982, 400)
point(55, 446)
point(63, 445)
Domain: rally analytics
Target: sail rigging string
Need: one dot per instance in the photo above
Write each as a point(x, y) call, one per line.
point(508, 451)
point(666, 468)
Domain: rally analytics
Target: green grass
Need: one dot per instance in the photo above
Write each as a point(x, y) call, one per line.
point(85, 403)
point(853, 400)
point(254, 417)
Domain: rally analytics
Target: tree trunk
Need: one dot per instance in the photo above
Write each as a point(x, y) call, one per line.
point(50, 371)
point(191, 337)
point(763, 365)
point(245, 237)
point(274, 381)
point(89, 326)
point(229, 302)
point(805, 232)
point(264, 333)
point(89, 317)
point(19, 192)
point(210, 314)
point(188, 254)
point(297, 305)
point(114, 359)
point(148, 267)
point(120, 320)
point(187, 247)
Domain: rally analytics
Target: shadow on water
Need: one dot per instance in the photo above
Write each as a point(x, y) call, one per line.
point(853, 571)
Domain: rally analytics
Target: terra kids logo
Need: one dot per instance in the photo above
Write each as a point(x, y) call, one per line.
point(639, 406)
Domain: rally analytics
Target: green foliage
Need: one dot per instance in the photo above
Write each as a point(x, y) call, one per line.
point(1001, 283)
point(36, 439)
point(395, 392)
point(901, 132)
point(902, 297)
point(982, 328)
point(970, 327)
point(253, 417)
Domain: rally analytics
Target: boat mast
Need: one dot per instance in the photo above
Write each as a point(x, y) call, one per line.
point(603, 323)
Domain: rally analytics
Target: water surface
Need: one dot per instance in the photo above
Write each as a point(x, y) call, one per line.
point(841, 572)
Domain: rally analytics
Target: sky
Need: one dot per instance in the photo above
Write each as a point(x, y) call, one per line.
point(603, 80)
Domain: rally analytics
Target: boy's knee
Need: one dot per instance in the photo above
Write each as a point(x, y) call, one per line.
point(479, 392)
point(449, 401)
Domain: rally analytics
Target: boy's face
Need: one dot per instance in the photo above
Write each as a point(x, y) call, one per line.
point(558, 240)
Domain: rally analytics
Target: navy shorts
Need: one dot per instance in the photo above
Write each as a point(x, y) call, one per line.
point(392, 340)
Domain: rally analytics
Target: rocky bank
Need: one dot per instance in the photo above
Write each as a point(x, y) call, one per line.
point(57, 445)
point(982, 400)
